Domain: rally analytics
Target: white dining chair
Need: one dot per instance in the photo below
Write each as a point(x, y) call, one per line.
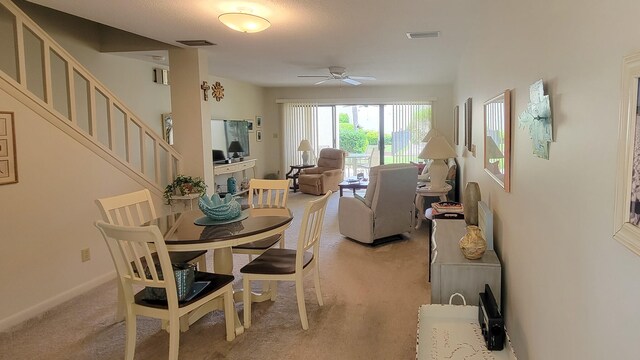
point(132, 250)
point(272, 193)
point(133, 209)
point(291, 265)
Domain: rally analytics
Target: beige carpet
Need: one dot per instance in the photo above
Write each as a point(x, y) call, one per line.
point(371, 298)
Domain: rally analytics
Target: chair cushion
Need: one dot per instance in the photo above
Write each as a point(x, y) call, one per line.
point(216, 282)
point(263, 244)
point(276, 261)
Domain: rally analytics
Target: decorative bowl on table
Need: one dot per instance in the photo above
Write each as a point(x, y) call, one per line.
point(216, 208)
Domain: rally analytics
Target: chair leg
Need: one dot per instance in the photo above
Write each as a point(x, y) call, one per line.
point(302, 309)
point(120, 306)
point(229, 317)
point(316, 281)
point(246, 300)
point(273, 287)
point(282, 241)
point(130, 342)
point(174, 337)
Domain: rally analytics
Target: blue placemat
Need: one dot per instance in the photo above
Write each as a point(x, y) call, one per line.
point(205, 221)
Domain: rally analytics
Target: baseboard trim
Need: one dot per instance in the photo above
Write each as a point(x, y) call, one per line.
point(48, 304)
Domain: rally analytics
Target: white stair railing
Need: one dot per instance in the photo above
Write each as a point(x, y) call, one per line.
point(46, 78)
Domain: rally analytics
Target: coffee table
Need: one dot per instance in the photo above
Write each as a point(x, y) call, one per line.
point(354, 185)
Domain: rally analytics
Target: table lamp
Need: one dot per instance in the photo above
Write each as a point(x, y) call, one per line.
point(430, 135)
point(437, 149)
point(235, 147)
point(305, 147)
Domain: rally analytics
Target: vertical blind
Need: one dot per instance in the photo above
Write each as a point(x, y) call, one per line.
point(300, 122)
point(410, 122)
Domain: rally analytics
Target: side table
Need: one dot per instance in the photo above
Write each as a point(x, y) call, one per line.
point(294, 175)
point(425, 190)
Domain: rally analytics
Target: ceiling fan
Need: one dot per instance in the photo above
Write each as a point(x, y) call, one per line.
point(338, 73)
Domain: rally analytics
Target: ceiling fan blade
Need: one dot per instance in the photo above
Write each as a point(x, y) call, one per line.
point(312, 76)
point(362, 77)
point(321, 81)
point(351, 81)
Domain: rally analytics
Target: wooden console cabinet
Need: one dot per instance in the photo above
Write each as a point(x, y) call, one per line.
point(452, 273)
point(230, 169)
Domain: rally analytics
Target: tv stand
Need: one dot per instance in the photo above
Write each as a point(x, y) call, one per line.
point(232, 168)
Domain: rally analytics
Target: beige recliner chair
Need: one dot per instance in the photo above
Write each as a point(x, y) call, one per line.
point(326, 175)
point(388, 206)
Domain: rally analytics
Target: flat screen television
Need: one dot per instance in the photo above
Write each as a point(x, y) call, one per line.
point(223, 132)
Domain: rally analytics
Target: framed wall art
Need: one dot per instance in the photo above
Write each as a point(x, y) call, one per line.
point(167, 128)
point(258, 121)
point(497, 138)
point(8, 166)
point(627, 195)
point(467, 124)
point(258, 135)
point(456, 125)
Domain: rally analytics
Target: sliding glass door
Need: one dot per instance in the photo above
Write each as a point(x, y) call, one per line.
point(370, 134)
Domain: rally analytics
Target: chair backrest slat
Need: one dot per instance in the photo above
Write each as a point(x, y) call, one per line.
point(130, 209)
point(268, 192)
point(311, 228)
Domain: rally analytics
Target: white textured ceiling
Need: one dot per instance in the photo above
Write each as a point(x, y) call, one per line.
point(367, 37)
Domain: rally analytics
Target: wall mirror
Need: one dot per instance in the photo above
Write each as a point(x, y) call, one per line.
point(223, 132)
point(497, 138)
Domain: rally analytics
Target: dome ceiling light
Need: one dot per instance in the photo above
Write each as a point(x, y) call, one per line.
point(244, 22)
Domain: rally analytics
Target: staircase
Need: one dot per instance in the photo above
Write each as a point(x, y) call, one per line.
point(46, 78)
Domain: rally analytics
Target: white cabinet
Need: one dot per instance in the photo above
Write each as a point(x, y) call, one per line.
point(452, 273)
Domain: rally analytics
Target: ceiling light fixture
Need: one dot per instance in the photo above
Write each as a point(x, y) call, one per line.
point(244, 22)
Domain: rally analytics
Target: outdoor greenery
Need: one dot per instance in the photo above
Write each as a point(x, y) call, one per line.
point(184, 185)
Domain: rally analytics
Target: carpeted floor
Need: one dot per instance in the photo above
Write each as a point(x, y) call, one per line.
point(371, 298)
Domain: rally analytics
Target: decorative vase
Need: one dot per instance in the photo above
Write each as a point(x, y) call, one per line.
point(470, 200)
point(473, 245)
point(231, 185)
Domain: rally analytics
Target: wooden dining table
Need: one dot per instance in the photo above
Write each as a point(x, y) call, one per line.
point(182, 234)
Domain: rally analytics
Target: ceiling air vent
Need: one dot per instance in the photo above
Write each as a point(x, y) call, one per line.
point(423, 35)
point(195, 42)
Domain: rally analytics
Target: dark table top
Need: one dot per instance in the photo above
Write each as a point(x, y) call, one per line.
point(180, 228)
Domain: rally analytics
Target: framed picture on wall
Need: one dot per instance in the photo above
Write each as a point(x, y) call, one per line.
point(167, 128)
point(627, 195)
point(258, 135)
point(258, 121)
point(467, 124)
point(456, 125)
point(8, 166)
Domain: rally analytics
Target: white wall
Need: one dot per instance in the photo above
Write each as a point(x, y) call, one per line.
point(242, 101)
point(441, 95)
point(570, 290)
point(47, 218)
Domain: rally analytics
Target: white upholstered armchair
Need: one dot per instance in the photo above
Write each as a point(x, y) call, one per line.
point(388, 206)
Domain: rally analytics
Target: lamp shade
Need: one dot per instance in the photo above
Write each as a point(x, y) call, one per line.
point(437, 149)
point(235, 147)
point(244, 22)
point(305, 145)
point(430, 135)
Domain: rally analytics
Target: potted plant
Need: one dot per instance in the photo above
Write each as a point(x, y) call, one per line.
point(183, 185)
